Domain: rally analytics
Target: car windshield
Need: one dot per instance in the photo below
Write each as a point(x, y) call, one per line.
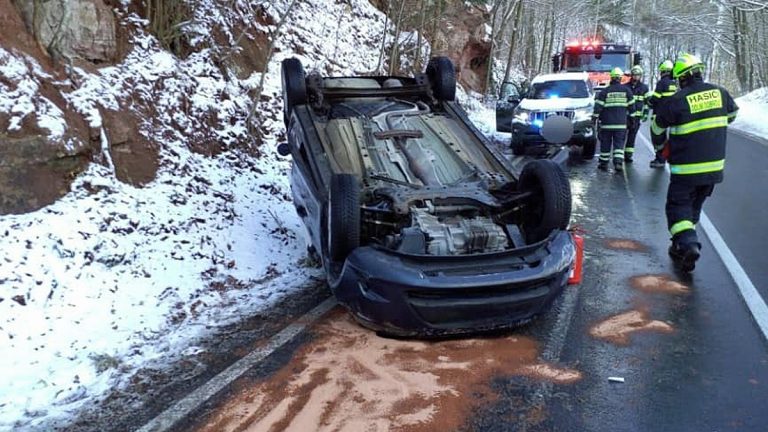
point(590, 63)
point(559, 89)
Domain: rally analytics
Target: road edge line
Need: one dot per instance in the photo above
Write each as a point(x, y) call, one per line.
point(184, 407)
point(755, 303)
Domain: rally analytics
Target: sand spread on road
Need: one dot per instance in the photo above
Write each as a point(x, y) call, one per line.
point(349, 379)
point(625, 244)
point(658, 284)
point(618, 328)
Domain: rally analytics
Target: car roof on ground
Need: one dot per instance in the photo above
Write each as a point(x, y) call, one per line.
point(565, 76)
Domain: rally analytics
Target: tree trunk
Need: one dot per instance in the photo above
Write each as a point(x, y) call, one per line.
point(513, 38)
point(394, 56)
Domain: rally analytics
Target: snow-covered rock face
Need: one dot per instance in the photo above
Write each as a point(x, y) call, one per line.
point(113, 278)
point(83, 29)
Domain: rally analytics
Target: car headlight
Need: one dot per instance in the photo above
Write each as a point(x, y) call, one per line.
point(583, 114)
point(521, 116)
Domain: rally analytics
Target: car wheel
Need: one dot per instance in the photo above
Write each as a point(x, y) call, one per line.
point(294, 86)
point(550, 206)
point(343, 216)
point(442, 78)
point(588, 148)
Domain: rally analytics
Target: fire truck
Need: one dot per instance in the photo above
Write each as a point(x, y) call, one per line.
point(596, 58)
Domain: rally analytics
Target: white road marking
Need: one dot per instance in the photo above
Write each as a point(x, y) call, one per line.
point(185, 407)
point(755, 303)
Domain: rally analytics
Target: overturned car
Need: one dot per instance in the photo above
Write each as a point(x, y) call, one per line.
point(423, 228)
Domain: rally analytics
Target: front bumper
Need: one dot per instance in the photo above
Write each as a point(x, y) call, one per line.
point(529, 134)
point(429, 296)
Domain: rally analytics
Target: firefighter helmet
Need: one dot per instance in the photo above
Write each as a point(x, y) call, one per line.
point(616, 73)
point(637, 70)
point(666, 66)
point(686, 63)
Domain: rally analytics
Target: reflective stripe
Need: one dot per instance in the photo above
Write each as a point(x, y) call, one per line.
point(614, 105)
point(613, 127)
point(699, 125)
point(599, 102)
point(698, 168)
point(629, 150)
point(667, 94)
point(681, 226)
point(656, 129)
point(732, 115)
point(605, 156)
point(655, 94)
point(618, 152)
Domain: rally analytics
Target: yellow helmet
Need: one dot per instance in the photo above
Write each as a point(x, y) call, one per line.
point(616, 73)
point(666, 66)
point(686, 63)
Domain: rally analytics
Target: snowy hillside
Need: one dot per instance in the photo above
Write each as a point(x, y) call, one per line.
point(114, 277)
point(753, 110)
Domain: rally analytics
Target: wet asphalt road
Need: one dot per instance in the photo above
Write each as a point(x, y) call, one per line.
point(710, 373)
point(686, 347)
point(739, 206)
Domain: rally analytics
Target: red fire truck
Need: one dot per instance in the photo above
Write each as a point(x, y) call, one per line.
point(596, 58)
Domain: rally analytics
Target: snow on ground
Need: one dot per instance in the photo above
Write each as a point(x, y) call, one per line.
point(753, 112)
point(113, 278)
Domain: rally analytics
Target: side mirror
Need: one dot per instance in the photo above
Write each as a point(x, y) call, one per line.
point(513, 99)
point(555, 63)
point(638, 59)
point(283, 149)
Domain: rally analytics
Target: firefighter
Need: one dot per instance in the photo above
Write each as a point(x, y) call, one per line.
point(612, 106)
point(639, 89)
point(665, 88)
point(697, 117)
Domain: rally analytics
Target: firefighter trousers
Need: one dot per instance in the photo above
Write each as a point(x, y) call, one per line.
point(612, 139)
point(683, 209)
point(629, 149)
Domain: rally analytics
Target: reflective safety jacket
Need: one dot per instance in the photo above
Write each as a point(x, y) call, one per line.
point(697, 118)
point(639, 89)
point(666, 87)
point(613, 105)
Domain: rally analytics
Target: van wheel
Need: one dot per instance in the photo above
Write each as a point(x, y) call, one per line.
point(549, 207)
point(588, 148)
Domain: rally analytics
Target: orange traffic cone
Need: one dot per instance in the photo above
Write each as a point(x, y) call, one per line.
point(575, 276)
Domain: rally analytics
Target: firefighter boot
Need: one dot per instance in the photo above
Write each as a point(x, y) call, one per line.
point(602, 165)
point(657, 163)
point(618, 164)
point(685, 254)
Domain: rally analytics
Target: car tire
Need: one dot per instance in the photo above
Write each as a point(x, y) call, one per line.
point(518, 147)
point(343, 216)
point(294, 86)
point(442, 78)
point(588, 148)
point(550, 207)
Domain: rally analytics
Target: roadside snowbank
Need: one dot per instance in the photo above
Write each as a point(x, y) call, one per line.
point(753, 113)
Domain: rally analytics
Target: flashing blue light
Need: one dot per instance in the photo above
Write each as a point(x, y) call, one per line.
point(554, 96)
point(538, 123)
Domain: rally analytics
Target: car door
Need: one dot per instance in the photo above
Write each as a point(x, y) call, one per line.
point(509, 99)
